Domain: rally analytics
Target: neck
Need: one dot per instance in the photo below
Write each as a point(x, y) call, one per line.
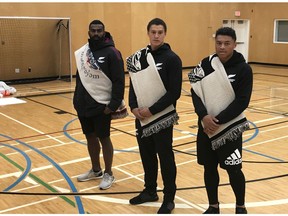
point(226, 59)
point(156, 47)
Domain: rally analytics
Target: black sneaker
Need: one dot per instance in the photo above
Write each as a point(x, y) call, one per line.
point(143, 197)
point(240, 210)
point(166, 208)
point(212, 210)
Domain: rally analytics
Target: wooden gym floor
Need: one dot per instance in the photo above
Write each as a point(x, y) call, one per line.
point(43, 150)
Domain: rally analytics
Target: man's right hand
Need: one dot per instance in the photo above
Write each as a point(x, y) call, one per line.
point(210, 124)
point(136, 113)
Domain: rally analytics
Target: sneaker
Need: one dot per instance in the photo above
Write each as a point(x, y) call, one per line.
point(212, 210)
point(166, 208)
point(143, 197)
point(107, 181)
point(240, 210)
point(90, 175)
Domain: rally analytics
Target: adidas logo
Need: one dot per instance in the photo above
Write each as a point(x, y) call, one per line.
point(234, 158)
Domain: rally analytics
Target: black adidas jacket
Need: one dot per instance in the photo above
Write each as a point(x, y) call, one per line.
point(113, 68)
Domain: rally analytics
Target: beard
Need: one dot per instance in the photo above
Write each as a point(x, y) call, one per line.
point(94, 43)
point(97, 38)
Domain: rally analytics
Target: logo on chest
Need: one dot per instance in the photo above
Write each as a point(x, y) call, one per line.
point(159, 66)
point(231, 77)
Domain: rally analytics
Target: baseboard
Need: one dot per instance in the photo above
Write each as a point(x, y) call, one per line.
point(36, 80)
point(269, 64)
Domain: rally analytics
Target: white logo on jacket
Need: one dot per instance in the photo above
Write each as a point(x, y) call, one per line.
point(231, 76)
point(101, 59)
point(159, 66)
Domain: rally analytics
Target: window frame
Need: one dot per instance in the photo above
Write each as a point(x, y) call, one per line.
point(276, 27)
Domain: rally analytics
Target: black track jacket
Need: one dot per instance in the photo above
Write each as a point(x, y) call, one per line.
point(113, 67)
point(241, 79)
point(169, 66)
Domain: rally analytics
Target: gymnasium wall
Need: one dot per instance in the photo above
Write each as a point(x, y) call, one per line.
point(190, 27)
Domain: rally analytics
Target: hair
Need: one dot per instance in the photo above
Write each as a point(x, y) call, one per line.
point(157, 21)
point(226, 31)
point(95, 22)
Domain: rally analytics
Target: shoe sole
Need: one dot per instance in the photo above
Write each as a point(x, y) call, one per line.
point(84, 180)
point(104, 188)
point(154, 200)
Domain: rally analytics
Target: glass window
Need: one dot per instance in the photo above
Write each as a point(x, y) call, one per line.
point(281, 31)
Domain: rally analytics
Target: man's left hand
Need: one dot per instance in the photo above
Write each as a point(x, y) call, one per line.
point(107, 110)
point(145, 112)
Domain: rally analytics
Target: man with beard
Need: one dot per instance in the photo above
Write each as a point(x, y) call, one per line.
point(99, 91)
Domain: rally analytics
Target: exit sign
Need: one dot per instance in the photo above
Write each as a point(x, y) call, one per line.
point(237, 13)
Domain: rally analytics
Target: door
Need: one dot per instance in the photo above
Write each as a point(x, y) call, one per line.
point(241, 28)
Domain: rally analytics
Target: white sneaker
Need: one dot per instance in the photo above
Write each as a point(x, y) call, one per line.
point(107, 181)
point(8, 90)
point(12, 90)
point(90, 175)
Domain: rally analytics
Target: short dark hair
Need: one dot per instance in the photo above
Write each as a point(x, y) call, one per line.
point(157, 21)
point(226, 31)
point(95, 22)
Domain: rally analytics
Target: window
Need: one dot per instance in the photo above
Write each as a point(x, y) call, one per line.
point(281, 31)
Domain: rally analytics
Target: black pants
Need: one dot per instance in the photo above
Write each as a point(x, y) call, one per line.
point(228, 159)
point(158, 144)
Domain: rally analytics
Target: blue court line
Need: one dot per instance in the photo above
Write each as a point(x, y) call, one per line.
point(26, 171)
point(257, 153)
point(67, 178)
point(68, 135)
point(255, 133)
point(78, 141)
point(267, 156)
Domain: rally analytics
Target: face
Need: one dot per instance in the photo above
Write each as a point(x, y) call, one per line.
point(156, 36)
point(96, 31)
point(224, 46)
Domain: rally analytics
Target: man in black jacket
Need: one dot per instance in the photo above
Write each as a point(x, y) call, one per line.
point(221, 91)
point(99, 91)
point(155, 86)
